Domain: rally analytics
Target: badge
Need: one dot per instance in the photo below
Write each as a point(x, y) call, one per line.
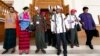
point(9, 20)
point(37, 22)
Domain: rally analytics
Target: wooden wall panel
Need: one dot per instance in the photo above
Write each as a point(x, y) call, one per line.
point(66, 9)
point(2, 31)
point(4, 9)
point(46, 3)
point(43, 4)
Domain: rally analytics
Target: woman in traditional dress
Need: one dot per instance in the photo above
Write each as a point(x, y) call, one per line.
point(24, 34)
point(10, 31)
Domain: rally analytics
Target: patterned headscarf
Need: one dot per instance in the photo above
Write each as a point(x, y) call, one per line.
point(73, 11)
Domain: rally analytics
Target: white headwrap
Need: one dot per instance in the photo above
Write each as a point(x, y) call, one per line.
point(36, 8)
point(58, 7)
point(50, 7)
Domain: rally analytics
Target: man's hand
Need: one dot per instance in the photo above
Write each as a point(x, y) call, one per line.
point(53, 32)
point(77, 20)
point(72, 22)
point(31, 23)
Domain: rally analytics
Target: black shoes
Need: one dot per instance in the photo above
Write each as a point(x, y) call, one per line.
point(43, 51)
point(37, 51)
point(13, 51)
point(72, 46)
point(90, 46)
point(65, 54)
point(4, 52)
point(58, 52)
point(77, 45)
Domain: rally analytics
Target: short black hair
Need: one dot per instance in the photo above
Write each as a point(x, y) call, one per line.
point(25, 8)
point(84, 8)
point(67, 14)
point(54, 10)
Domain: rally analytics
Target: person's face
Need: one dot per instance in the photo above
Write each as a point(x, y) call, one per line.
point(58, 10)
point(86, 10)
point(38, 11)
point(43, 13)
point(27, 10)
point(50, 11)
point(11, 10)
point(54, 12)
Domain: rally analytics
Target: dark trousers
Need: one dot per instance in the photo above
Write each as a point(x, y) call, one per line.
point(68, 37)
point(89, 35)
point(54, 40)
point(49, 33)
point(61, 39)
point(10, 39)
point(46, 37)
point(49, 37)
point(74, 36)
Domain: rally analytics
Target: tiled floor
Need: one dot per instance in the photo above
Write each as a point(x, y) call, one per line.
point(76, 51)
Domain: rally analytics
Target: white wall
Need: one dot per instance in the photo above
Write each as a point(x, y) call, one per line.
point(74, 4)
point(94, 6)
point(19, 4)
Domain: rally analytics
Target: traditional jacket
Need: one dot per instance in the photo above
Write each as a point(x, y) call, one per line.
point(40, 23)
point(58, 24)
point(24, 21)
point(71, 19)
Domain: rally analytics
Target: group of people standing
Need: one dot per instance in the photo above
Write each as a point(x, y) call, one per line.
point(60, 30)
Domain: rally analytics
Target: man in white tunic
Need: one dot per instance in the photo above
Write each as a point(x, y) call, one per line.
point(58, 27)
point(73, 21)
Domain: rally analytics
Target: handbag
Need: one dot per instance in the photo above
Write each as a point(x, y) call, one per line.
point(96, 33)
point(78, 28)
point(31, 27)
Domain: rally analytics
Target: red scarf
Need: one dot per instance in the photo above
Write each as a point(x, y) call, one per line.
point(17, 25)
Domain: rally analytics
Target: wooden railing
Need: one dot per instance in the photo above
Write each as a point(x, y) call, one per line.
point(4, 8)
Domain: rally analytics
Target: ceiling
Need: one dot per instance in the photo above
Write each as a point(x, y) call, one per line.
point(9, 2)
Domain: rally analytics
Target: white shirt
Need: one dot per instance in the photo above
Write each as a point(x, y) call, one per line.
point(71, 21)
point(56, 23)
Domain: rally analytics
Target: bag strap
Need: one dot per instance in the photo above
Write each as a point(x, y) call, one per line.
point(62, 22)
point(76, 18)
point(70, 20)
point(55, 22)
